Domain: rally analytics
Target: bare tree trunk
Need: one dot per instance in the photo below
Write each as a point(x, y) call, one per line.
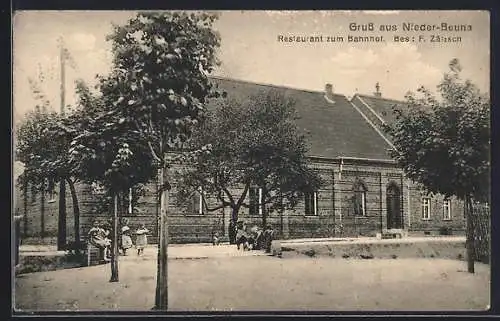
point(76, 213)
point(232, 226)
point(161, 300)
point(42, 212)
point(157, 213)
point(281, 223)
point(469, 242)
point(114, 242)
point(61, 225)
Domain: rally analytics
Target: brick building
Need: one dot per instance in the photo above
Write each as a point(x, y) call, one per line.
point(365, 192)
point(428, 213)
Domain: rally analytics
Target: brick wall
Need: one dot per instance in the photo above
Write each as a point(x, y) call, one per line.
point(333, 203)
point(420, 225)
point(41, 218)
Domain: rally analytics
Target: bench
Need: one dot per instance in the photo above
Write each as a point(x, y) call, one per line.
point(93, 254)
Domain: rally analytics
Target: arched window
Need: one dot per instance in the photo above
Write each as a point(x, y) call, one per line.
point(195, 202)
point(359, 198)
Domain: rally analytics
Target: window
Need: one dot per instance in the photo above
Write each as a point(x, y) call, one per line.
point(426, 208)
point(130, 201)
point(311, 203)
point(198, 201)
point(195, 204)
point(359, 198)
point(446, 210)
point(255, 201)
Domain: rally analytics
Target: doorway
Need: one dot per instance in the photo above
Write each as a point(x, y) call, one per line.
point(394, 215)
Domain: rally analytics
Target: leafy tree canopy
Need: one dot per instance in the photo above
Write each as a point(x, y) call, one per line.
point(107, 150)
point(159, 83)
point(41, 147)
point(252, 143)
point(444, 143)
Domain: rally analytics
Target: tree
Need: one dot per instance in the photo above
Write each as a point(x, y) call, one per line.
point(109, 152)
point(42, 145)
point(41, 97)
point(32, 149)
point(254, 143)
point(159, 84)
point(444, 143)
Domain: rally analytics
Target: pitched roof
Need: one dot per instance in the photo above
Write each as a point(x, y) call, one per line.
point(382, 107)
point(333, 130)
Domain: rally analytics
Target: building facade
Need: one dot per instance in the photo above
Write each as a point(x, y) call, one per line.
point(365, 192)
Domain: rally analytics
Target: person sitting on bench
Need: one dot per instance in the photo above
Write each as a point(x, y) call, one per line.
point(97, 236)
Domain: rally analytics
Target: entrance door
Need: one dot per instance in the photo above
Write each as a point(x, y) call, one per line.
point(394, 215)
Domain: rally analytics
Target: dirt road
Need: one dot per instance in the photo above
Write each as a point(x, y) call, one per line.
point(247, 282)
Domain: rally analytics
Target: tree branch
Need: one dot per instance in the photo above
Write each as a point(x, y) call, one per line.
point(243, 195)
point(165, 187)
point(221, 199)
point(213, 208)
point(153, 153)
point(231, 199)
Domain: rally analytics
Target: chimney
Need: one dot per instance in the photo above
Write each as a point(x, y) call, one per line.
point(329, 93)
point(377, 92)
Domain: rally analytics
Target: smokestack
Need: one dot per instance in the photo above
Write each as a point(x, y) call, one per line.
point(329, 93)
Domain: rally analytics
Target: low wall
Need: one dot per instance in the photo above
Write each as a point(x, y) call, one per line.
point(445, 248)
point(29, 263)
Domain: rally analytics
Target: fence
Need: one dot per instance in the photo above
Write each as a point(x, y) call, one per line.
point(481, 219)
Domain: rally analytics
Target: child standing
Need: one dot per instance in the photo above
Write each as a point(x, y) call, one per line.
point(126, 239)
point(142, 239)
point(242, 235)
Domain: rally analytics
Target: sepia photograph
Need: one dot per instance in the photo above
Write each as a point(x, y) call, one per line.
point(251, 161)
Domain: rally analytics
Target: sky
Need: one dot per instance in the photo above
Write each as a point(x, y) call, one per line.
point(250, 50)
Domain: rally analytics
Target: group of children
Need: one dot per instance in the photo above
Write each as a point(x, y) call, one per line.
point(99, 236)
point(141, 239)
point(254, 238)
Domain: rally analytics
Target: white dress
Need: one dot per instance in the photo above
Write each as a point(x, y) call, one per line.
point(142, 239)
point(126, 241)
